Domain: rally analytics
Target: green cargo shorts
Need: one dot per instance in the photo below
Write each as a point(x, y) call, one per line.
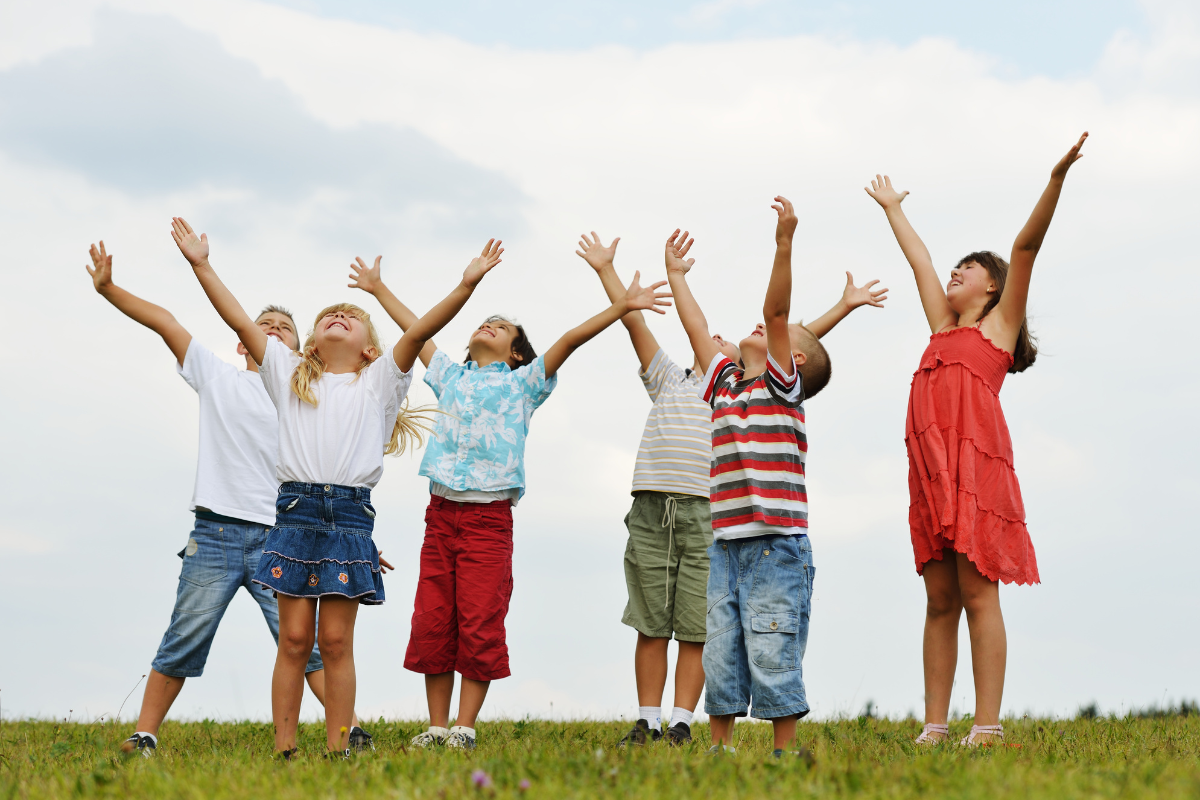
point(666, 569)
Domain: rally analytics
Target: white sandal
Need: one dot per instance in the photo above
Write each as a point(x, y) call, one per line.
point(991, 730)
point(927, 732)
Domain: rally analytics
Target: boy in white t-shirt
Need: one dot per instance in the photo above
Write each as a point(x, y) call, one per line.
point(234, 501)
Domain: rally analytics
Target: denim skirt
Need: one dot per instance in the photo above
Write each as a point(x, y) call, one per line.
point(321, 544)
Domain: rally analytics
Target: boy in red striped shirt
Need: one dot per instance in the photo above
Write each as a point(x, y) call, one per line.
point(757, 628)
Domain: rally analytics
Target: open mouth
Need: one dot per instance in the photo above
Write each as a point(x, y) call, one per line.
point(345, 326)
point(485, 332)
point(758, 333)
point(276, 335)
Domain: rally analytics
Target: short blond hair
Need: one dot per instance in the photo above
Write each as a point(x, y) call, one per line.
point(817, 368)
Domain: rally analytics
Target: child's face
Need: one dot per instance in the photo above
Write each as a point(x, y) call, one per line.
point(969, 285)
point(341, 330)
point(280, 326)
point(493, 341)
point(728, 349)
point(755, 345)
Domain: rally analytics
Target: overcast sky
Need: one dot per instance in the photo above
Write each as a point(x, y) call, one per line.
point(301, 134)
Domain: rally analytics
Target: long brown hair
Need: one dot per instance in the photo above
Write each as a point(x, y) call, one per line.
point(1025, 353)
point(411, 424)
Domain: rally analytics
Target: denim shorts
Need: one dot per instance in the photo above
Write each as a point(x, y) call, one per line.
point(759, 602)
point(321, 544)
point(219, 559)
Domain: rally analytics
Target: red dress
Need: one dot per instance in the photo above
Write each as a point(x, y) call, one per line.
point(963, 491)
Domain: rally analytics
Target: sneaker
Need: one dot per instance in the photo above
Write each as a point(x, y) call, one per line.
point(430, 738)
point(460, 740)
point(640, 735)
point(722, 750)
point(338, 755)
point(804, 754)
point(141, 744)
point(679, 734)
point(360, 741)
point(286, 755)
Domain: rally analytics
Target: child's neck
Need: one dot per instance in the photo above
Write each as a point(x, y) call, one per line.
point(250, 365)
point(341, 362)
point(752, 366)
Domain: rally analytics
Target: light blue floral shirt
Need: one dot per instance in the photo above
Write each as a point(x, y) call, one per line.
point(478, 443)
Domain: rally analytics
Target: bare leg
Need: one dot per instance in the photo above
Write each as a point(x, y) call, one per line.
point(297, 629)
point(161, 691)
point(722, 729)
point(689, 675)
point(335, 638)
point(785, 731)
point(943, 609)
point(650, 669)
point(316, 682)
point(470, 699)
point(989, 642)
point(439, 689)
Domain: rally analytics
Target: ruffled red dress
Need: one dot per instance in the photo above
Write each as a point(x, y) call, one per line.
point(962, 487)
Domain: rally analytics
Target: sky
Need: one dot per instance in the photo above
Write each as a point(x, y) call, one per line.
point(299, 135)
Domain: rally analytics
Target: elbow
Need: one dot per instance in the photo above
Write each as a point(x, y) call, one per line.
point(774, 313)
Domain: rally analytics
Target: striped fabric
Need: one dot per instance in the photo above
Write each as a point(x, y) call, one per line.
point(677, 443)
point(758, 451)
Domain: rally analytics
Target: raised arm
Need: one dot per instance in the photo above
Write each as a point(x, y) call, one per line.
point(156, 318)
point(778, 304)
point(636, 298)
point(1025, 249)
point(420, 332)
point(852, 297)
point(369, 281)
point(195, 250)
point(933, 295)
point(694, 323)
point(600, 258)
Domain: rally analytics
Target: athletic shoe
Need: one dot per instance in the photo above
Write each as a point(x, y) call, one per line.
point(430, 738)
point(141, 744)
point(360, 741)
point(460, 740)
point(286, 755)
point(338, 755)
point(804, 754)
point(640, 735)
point(722, 750)
point(679, 734)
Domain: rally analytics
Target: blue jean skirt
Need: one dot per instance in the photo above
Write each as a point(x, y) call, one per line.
point(321, 544)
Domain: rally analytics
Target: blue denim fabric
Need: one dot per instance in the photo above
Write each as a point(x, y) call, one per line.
point(321, 544)
point(759, 602)
point(224, 560)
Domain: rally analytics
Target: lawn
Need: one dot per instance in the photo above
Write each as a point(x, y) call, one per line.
point(1130, 757)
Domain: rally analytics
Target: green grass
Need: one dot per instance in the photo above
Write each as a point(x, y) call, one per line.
point(1101, 757)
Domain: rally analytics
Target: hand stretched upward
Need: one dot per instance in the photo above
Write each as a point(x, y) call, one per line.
point(677, 250)
point(855, 296)
point(596, 254)
point(483, 263)
point(786, 227)
point(194, 248)
point(102, 274)
point(641, 298)
point(883, 193)
point(1060, 169)
point(364, 277)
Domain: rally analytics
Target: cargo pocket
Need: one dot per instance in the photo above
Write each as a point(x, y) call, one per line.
point(204, 558)
point(774, 643)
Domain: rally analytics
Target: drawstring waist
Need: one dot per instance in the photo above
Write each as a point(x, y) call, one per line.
point(670, 509)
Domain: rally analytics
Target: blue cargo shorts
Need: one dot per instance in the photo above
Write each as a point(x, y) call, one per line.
point(220, 558)
point(759, 603)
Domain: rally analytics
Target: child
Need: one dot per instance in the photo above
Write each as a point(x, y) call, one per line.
point(757, 629)
point(233, 502)
point(966, 516)
point(670, 528)
point(476, 469)
point(340, 409)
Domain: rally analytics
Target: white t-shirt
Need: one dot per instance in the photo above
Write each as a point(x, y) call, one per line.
point(340, 441)
point(235, 468)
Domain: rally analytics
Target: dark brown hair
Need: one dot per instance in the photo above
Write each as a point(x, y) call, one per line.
point(520, 344)
point(1025, 353)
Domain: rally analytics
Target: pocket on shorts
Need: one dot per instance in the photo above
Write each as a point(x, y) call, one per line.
point(718, 574)
point(774, 641)
point(204, 564)
point(286, 502)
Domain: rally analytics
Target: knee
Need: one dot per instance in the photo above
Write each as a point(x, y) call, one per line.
point(980, 602)
point(334, 645)
point(296, 644)
point(941, 605)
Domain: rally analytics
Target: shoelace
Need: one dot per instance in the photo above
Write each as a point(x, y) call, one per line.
point(670, 508)
point(457, 739)
point(422, 739)
point(931, 728)
point(969, 739)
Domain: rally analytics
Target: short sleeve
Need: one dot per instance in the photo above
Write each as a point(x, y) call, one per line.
point(279, 362)
point(662, 373)
point(389, 383)
point(718, 371)
point(787, 388)
point(441, 372)
point(532, 382)
point(201, 365)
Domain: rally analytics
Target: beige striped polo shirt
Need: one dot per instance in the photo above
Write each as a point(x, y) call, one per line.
point(676, 450)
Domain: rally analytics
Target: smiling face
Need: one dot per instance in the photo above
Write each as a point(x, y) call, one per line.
point(343, 329)
point(493, 341)
point(280, 327)
point(728, 349)
point(970, 286)
point(755, 345)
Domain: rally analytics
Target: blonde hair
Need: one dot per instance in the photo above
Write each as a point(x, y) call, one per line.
point(411, 424)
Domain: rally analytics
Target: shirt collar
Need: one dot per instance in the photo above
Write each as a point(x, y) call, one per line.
point(499, 365)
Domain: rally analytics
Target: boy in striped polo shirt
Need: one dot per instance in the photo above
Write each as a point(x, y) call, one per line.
point(670, 530)
point(757, 629)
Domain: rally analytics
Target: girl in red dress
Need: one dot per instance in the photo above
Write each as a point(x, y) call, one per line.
point(965, 514)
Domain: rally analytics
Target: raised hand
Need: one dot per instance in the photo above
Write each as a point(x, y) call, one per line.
point(102, 273)
point(193, 247)
point(855, 296)
point(786, 227)
point(646, 298)
point(364, 277)
point(483, 263)
point(677, 249)
point(1060, 169)
point(883, 193)
point(596, 254)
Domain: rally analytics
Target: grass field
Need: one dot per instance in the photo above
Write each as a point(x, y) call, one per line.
point(1127, 757)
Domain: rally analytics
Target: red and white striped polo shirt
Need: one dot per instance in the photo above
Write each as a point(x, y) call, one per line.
point(758, 451)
